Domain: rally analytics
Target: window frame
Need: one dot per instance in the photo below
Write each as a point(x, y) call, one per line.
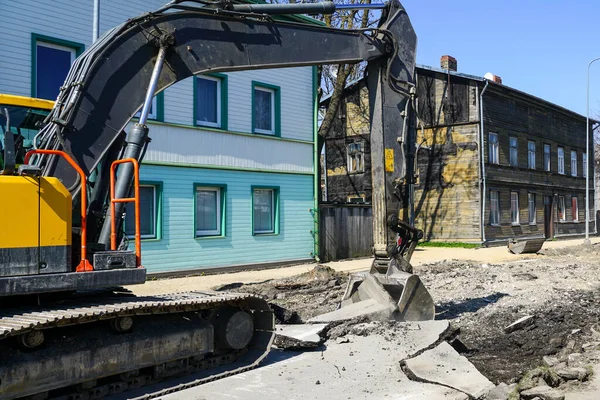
point(275, 108)
point(573, 162)
point(531, 154)
point(518, 219)
point(276, 209)
point(497, 211)
point(547, 157)
point(561, 160)
point(158, 108)
point(561, 202)
point(158, 210)
point(222, 101)
point(575, 208)
point(222, 208)
point(493, 149)
point(349, 155)
point(51, 42)
point(532, 217)
point(515, 162)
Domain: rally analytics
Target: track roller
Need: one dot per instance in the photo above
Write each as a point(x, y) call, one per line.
point(233, 329)
point(31, 339)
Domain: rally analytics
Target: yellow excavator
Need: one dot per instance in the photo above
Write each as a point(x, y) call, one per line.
point(66, 325)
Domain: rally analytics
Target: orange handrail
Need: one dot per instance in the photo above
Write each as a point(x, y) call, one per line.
point(135, 200)
point(84, 264)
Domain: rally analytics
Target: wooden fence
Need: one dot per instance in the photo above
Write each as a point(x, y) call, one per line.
point(346, 231)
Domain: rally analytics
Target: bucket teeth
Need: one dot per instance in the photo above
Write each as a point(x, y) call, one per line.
point(390, 295)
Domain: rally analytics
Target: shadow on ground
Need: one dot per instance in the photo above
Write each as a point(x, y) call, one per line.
point(451, 309)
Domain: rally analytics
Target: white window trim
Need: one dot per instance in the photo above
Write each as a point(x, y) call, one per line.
point(561, 160)
point(219, 83)
point(68, 49)
point(547, 166)
point(272, 92)
point(154, 234)
point(213, 232)
point(534, 221)
point(576, 217)
point(272, 212)
point(573, 163)
point(494, 156)
point(561, 201)
point(497, 201)
point(350, 154)
point(517, 222)
point(510, 151)
point(530, 155)
point(153, 114)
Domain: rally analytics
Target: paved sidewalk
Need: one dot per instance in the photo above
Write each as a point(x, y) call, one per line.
point(420, 256)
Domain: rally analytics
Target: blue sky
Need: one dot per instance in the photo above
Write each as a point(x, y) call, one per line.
point(539, 47)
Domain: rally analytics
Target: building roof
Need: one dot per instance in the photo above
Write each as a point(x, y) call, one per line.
point(356, 83)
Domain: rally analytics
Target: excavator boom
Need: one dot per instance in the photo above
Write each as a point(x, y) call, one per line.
point(85, 136)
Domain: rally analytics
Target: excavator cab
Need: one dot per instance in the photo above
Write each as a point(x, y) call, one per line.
point(20, 121)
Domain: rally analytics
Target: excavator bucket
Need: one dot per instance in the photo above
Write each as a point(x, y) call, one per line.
point(403, 293)
point(393, 295)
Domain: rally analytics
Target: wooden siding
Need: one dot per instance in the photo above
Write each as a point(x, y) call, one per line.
point(346, 231)
point(72, 20)
point(174, 144)
point(447, 193)
point(509, 115)
point(179, 250)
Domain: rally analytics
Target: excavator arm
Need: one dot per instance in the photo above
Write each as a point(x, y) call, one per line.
point(121, 71)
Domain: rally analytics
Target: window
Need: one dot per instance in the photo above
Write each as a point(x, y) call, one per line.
point(494, 208)
point(51, 61)
point(561, 160)
point(573, 163)
point(561, 209)
point(531, 154)
point(210, 101)
point(355, 157)
point(265, 215)
point(514, 208)
point(532, 209)
point(209, 210)
point(356, 199)
point(574, 209)
point(546, 157)
point(149, 213)
point(493, 148)
point(513, 159)
point(155, 111)
point(585, 166)
point(265, 109)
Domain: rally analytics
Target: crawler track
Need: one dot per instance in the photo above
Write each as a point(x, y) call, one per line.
point(172, 335)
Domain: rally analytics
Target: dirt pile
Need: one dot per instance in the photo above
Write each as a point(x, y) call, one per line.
point(299, 298)
point(559, 289)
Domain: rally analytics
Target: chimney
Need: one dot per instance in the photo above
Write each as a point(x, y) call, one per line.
point(494, 78)
point(449, 63)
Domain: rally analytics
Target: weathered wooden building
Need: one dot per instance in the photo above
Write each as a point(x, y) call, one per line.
point(492, 162)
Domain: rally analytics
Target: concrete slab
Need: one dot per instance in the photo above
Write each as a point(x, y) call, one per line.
point(444, 366)
point(370, 308)
point(298, 336)
point(367, 367)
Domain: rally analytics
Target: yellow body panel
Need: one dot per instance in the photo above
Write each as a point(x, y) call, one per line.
point(12, 100)
point(34, 212)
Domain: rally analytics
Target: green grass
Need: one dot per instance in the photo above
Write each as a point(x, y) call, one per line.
point(450, 245)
